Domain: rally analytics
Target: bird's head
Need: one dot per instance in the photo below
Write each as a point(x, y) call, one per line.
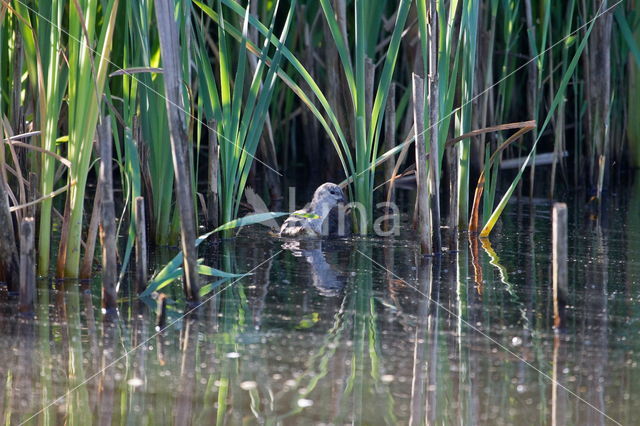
point(329, 194)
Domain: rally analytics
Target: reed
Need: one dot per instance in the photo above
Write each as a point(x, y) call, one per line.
point(469, 43)
point(145, 143)
point(260, 91)
point(239, 118)
point(559, 95)
point(87, 76)
point(368, 124)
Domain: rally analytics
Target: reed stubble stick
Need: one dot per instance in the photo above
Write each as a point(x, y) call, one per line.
point(8, 251)
point(424, 229)
point(434, 156)
point(161, 311)
point(27, 266)
point(170, 51)
point(108, 219)
point(141, 246)
point(560, 251)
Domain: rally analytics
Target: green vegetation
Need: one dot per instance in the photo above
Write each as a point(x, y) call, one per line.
point(273, 88)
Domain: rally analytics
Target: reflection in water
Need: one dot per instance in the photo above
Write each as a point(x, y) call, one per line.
point(325, 277)
point(359, 331)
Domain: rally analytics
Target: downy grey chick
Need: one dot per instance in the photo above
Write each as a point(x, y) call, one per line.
point(326, 215)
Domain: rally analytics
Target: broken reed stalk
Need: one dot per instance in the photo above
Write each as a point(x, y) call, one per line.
point(434, 156)
point(141, 246)
point(560, 276)
point(8, 250)
point(214, 174)
point(161, 311)
point(108, 219)
point(424, 229)
point(27, 266)
point(170, 52)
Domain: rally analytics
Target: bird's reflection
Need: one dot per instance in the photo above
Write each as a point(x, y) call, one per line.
point(326, 277)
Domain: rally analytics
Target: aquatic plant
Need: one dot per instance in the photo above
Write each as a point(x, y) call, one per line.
point(87, 75)
point(239, 120)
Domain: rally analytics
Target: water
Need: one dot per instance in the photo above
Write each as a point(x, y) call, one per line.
point(353, 331)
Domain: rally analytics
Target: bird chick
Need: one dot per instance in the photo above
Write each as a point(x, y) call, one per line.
point(326, 215)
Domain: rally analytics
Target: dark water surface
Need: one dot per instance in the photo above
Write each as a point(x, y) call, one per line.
point(353, 331)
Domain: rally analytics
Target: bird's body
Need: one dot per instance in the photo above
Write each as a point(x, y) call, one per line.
point(326, 215)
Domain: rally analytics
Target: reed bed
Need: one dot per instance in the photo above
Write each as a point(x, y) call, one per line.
point(270, 89)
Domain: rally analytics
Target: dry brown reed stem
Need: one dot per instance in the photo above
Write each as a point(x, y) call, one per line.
point(450, 144)
point(475, 210)
point(108, 219)
point(560, 252)
point(27, 266)
point(598, 93)
point(424, 228)
point(8, 250)
point(170, 51)
point(141, 245)
point(161, 311)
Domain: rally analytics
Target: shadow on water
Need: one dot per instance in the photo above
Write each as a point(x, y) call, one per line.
point(352, 331)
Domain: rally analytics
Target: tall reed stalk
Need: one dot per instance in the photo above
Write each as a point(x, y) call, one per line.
point(56, 82)
point(239, 118)
point(368, 124)
point(88, 30)
point(469, 40)
point(40, 28)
